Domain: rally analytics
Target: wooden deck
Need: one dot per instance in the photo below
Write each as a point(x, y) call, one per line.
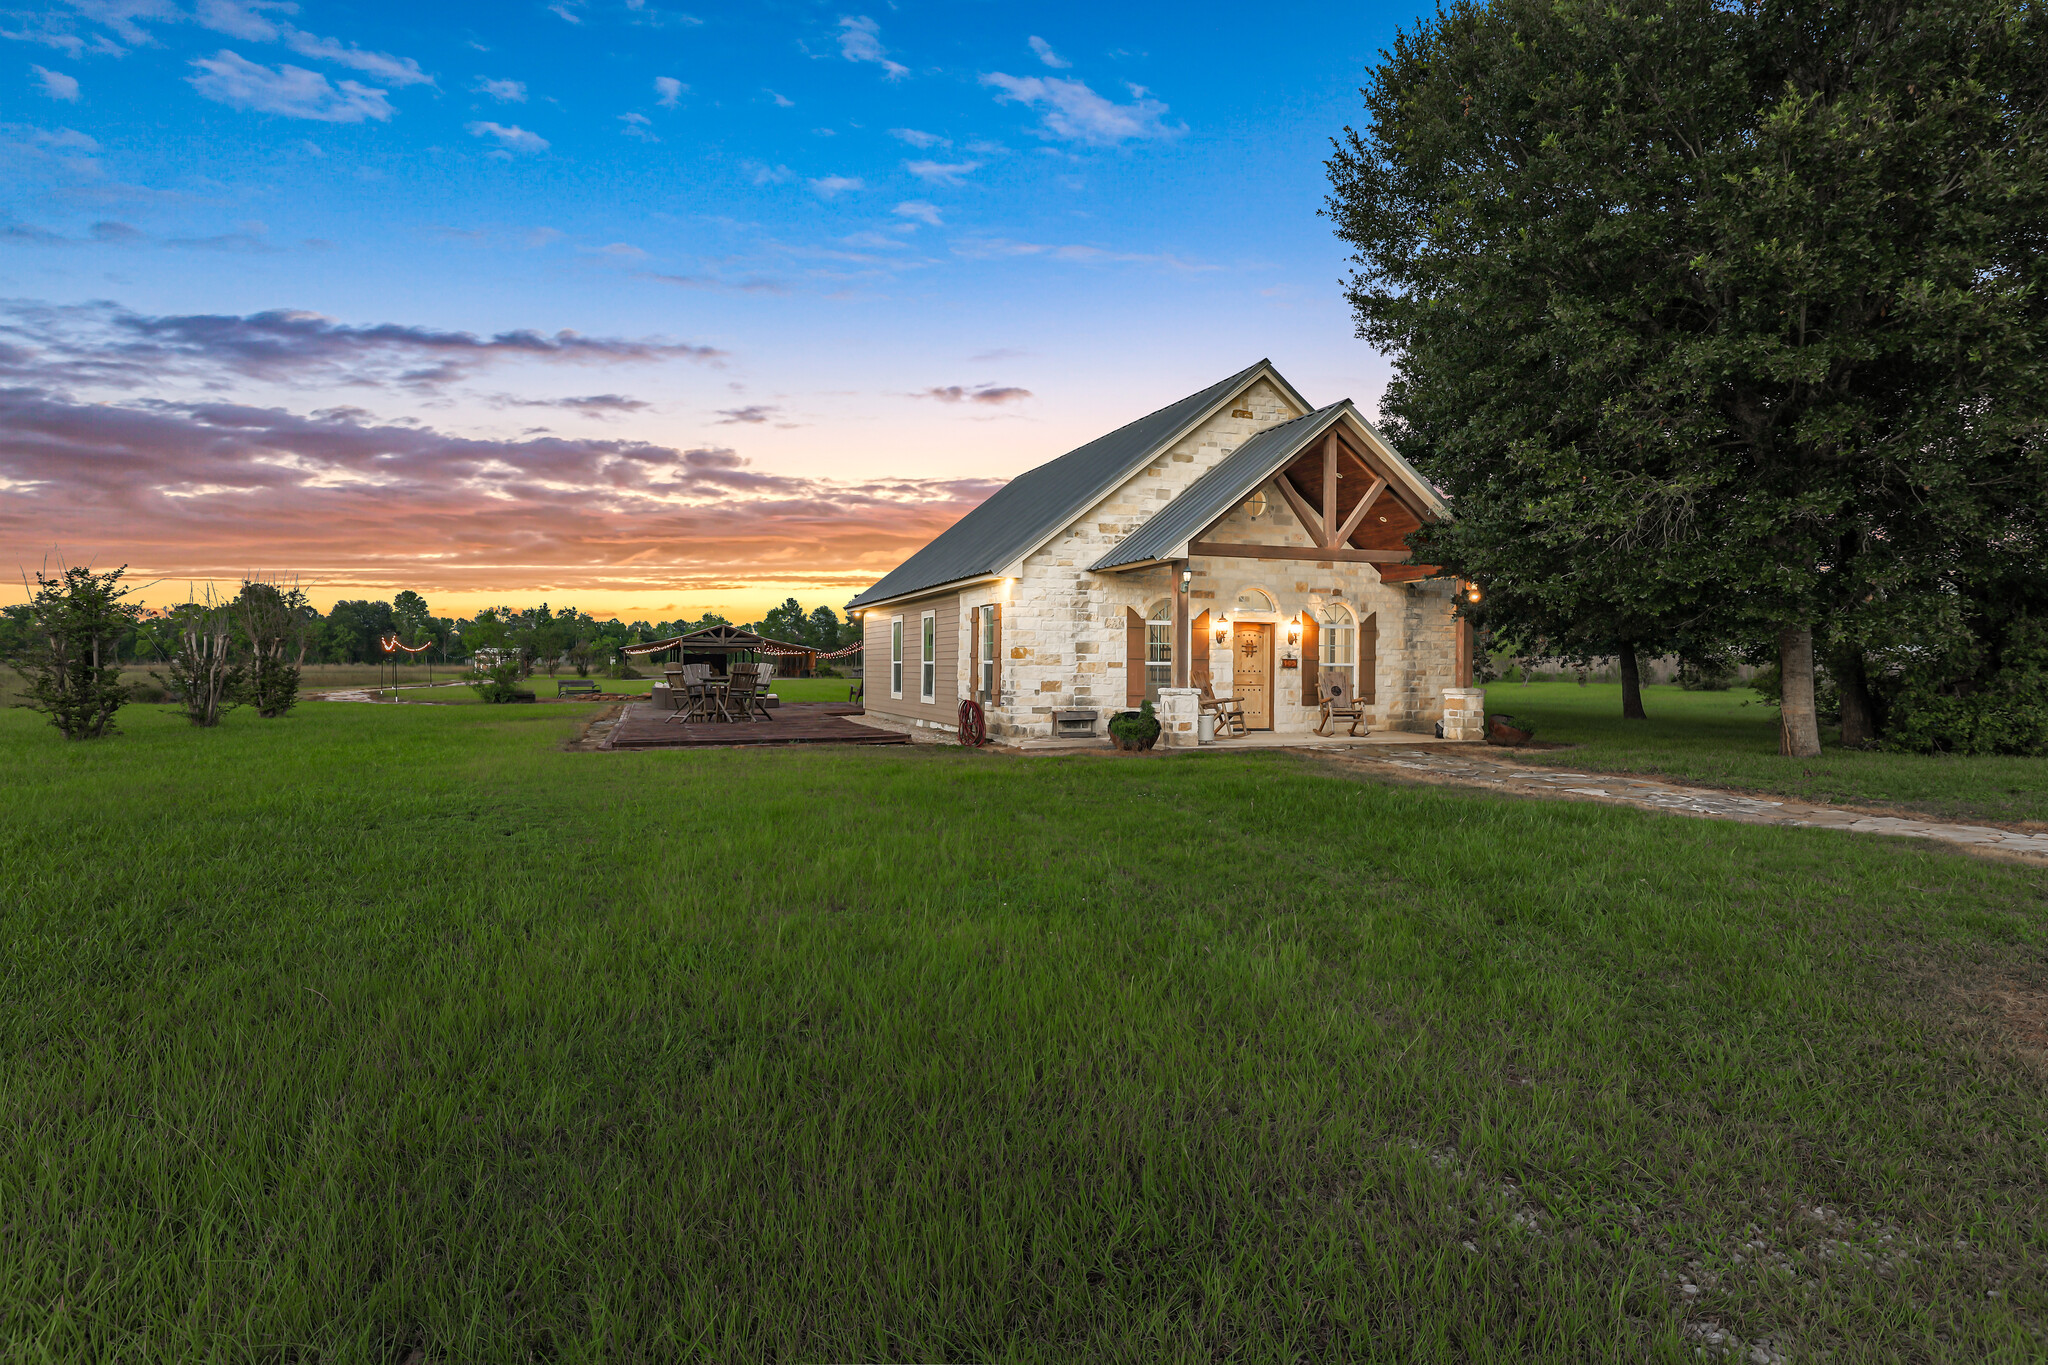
point(644, 727)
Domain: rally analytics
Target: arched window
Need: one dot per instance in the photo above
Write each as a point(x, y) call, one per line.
point(1255, 599)
point(1159, 649)
point(1338, 643)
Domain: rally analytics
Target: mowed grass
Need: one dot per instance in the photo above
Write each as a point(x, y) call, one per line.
point(1730, 739)
point(399, 1034)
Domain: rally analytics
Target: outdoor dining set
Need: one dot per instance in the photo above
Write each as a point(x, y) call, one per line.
point(703, 695)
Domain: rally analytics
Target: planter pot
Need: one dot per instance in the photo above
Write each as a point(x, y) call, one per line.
point(1134, 746)
point(1502, 730)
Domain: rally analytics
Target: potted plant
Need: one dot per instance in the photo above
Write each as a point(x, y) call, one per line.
point(1135, 731)
point(1507, 730)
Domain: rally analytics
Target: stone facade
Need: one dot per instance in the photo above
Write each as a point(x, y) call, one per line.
point(1064, 628)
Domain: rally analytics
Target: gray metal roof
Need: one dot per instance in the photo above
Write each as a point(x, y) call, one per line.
point(1019, 516)
point(1210, 496)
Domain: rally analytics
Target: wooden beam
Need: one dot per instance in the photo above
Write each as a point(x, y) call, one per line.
point(1379, 486)
point(1309, 520)
point(1180, 625)
point(1222, 549)
point(1329, 488)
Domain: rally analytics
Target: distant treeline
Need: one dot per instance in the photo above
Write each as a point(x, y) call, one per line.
point(354, 631)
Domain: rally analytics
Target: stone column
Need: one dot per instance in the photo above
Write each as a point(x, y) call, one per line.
point(1177, 709)
point(1464, 713)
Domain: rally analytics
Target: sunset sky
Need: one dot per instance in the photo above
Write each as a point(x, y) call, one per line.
point(646, 308)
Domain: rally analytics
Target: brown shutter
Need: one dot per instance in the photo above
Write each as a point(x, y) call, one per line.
point(1134, 658)
point(1311, 648)
point(1198, 652)
point(1368, 660)
point(974, 652)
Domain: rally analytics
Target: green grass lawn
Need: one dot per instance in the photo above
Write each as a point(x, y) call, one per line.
point(1730, 739)
point(399, 1034)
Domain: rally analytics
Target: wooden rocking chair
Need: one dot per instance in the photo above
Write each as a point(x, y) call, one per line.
point(1339, 703)
point(1229, 711)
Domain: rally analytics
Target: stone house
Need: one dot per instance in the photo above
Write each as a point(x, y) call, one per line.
point(1238, 538)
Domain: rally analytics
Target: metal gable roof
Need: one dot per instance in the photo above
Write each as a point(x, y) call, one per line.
point(1019, 516)
point(1210, 496)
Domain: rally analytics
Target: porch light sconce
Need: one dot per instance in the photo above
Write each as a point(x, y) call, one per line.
point(1222, 630)
point(1294, 632)
point(1472, 594)
point(1187, 576)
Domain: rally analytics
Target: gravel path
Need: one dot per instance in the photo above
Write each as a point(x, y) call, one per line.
point(1474, 769)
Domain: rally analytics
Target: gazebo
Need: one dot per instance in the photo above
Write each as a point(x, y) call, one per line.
point(715, 645)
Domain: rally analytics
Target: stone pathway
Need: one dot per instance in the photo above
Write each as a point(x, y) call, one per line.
point(367, 693)
point(1461, 765)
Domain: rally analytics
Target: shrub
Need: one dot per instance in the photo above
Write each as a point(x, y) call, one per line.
point(1135, 727)
point(1707, 673)
point(500, 682)
point(68, 663)
point(2003, 710)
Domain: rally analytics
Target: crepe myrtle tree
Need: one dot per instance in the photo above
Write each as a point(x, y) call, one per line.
point(64, 648)
point(205, 675)
point(1749, 296)
point(271, 617)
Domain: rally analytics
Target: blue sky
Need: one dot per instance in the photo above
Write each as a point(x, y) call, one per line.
point(830, 271)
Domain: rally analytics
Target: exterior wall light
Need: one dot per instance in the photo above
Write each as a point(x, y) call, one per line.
point(1472, 595)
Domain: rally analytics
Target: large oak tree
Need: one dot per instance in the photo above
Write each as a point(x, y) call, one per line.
point(1728, 312)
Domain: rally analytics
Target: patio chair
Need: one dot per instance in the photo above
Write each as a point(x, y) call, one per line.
point(1338, 702)
point(1229, 711)
point(695, 701)
point(745, 692)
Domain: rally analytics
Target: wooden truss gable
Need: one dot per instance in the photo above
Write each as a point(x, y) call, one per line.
point(1354, 507)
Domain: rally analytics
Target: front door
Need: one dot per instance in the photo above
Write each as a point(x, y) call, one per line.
point(1251, 680)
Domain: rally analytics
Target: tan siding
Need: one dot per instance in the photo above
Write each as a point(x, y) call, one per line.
point(944, 708)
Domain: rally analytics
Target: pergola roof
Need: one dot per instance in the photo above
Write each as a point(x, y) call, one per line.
point(720, 640)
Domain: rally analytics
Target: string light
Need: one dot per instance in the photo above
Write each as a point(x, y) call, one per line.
point(392, 645)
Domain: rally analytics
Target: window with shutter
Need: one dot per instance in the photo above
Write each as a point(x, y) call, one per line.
point(1158, 650)
point(1339, 644)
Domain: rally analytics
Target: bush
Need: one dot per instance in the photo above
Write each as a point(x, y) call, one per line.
point(2004, 711)
point(1708, 673)
point(69, 662)
point(1135, 727)
point(499, 683)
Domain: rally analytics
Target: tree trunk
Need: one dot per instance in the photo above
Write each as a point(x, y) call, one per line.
point(1798, 725)
point(1631, 685)
point(1859, 713)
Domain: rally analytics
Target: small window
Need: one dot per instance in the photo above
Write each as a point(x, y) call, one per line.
point(1255, 599)
point(895, 656)
point(987, 681)
point(1337, 642)
point(928, 658)
point(1159, 650)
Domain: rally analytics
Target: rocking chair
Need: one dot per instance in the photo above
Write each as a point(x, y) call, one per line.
point(1339, 703)
point(1229, 711)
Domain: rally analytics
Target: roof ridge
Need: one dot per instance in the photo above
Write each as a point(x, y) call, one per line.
point(1017, 517)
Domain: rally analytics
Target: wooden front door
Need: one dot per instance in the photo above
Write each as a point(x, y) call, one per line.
point(1251, 679)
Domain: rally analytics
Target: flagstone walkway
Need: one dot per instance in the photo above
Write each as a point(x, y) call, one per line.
point(1460, 764)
